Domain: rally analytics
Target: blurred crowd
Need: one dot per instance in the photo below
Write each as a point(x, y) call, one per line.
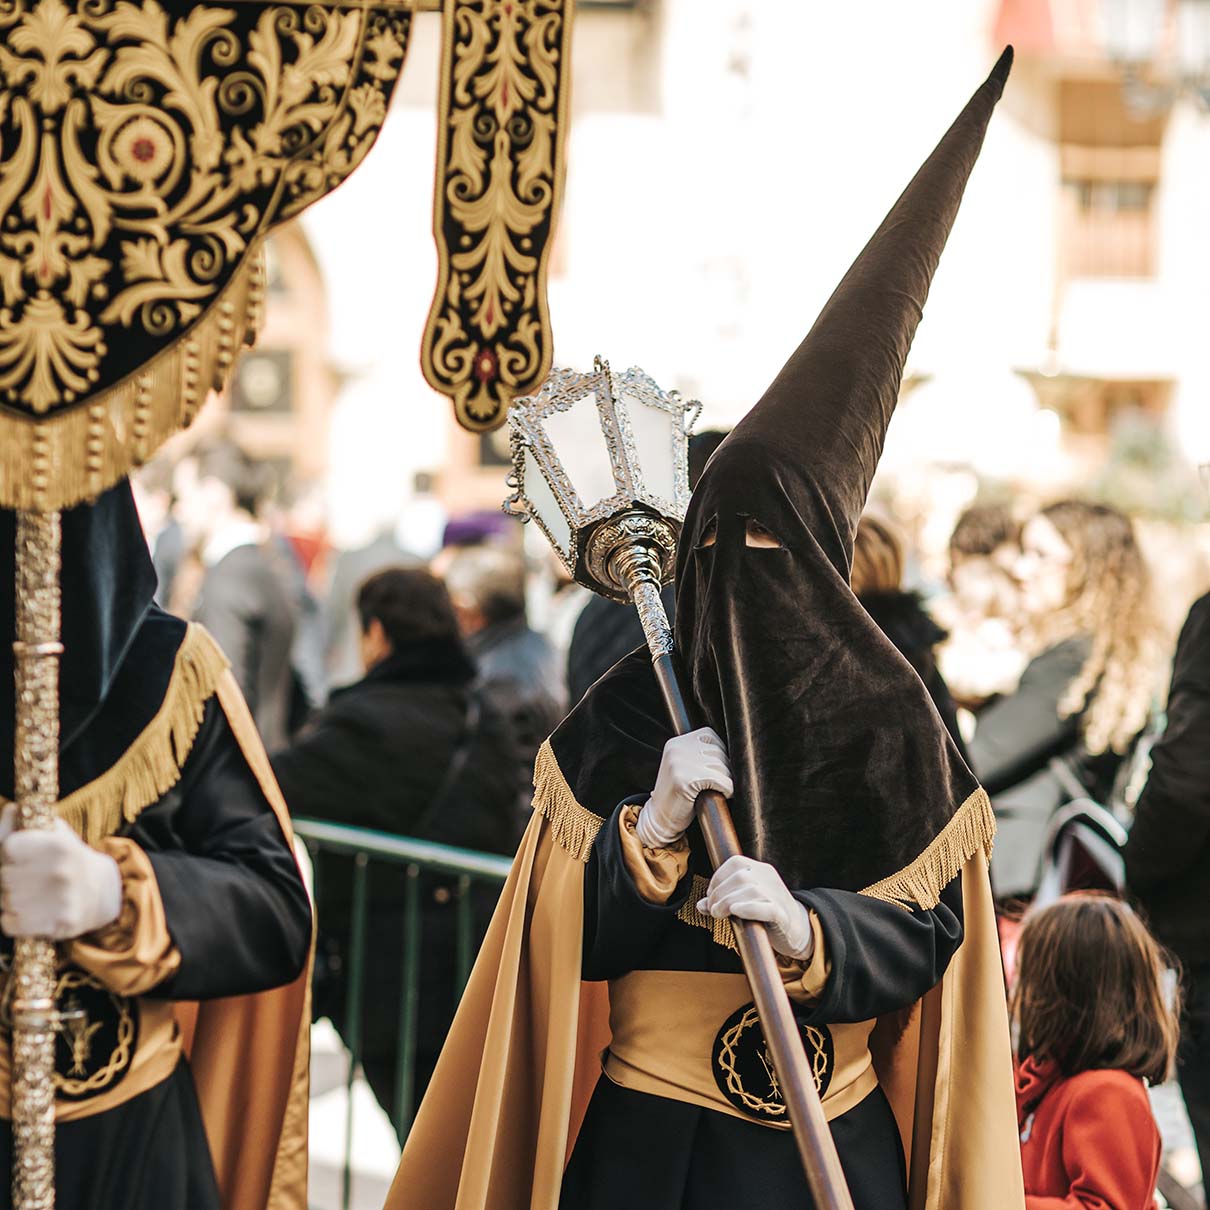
point(408, 692)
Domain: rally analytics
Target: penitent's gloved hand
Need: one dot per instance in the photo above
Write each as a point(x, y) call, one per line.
point(54, 885)
point(753, 890)
point(690, 764)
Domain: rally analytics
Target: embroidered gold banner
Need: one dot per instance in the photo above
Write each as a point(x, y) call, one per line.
point(145, 150)
point(505, 80)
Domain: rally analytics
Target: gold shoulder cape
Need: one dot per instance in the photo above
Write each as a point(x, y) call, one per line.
point(249, 1055)
point(523, 1056)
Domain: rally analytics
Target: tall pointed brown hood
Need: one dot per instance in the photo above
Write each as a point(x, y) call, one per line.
point(844, 772)
point(825, 416)
point(845, 775)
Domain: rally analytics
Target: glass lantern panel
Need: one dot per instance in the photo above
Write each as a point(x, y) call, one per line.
point(654, 431)
point(542, 502)
point(579, 444)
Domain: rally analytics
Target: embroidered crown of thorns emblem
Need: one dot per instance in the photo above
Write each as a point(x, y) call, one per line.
point(743, 1067)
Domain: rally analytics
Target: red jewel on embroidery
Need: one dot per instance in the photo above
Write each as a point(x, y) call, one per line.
point(143, 150)
point(485, 366)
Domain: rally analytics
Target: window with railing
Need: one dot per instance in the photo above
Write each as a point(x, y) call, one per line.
point(1110, 166)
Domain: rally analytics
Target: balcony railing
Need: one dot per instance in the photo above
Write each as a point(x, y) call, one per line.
point(412, 859)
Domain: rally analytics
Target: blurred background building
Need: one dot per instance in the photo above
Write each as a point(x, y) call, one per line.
point(727, 160)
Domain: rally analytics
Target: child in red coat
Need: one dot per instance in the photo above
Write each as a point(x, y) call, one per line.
point(1095, 1025)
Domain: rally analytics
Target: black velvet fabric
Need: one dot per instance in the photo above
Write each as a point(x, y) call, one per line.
point(645, 1152)
point(108, 582)
point(149, 1154)
point(882, 958)
point(844, 772)
point(234, 901)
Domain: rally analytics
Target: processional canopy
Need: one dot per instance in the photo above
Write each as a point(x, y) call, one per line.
point(145, 151)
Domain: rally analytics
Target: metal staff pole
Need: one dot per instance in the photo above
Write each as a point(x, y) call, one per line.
point(36, 779)
point(627, 552)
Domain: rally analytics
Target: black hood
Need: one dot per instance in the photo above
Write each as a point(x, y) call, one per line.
point(844, 772)
point(108, 583)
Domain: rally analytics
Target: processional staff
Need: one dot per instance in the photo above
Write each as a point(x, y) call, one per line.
point(600, 463)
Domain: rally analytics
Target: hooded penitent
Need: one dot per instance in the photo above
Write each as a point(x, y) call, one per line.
point(134, 686)
point(844, 771)
point(845, 775)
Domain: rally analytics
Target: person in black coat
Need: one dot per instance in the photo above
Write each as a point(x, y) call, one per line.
point(412, 749)
point(877, 582)
point(1168, 856)
point(1088, 691)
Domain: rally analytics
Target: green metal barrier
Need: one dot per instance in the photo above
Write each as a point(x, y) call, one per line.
point(413, 858)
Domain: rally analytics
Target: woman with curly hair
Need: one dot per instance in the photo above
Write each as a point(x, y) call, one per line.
point(1088, 689)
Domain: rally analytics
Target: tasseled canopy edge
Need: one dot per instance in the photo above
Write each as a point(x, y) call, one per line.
point(152, 765)
point(971, 830)
point(77, 453)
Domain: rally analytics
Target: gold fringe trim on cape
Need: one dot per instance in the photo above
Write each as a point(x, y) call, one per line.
point(919, 884)
point(721, 931)
point(78, 452)
point(572, 827)
point(151, 766)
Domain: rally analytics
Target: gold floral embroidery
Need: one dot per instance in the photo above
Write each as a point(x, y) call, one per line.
point(144, 153)
point(499, 179)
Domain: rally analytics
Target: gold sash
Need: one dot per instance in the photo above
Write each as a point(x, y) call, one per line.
point(686, 1035)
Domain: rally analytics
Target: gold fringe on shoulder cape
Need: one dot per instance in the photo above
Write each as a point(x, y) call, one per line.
point(919, 884)
point(509, 1093)
point(152, 765)
point(249, 1055)
point(572, 827)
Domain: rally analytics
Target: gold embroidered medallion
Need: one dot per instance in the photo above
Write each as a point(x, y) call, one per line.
point(97, 1040)
point(743, 1068)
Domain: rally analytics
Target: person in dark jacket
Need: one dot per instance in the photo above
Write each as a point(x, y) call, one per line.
point(877, 582)
point(519, 669)
point(414, 750)
point(244, 600)
point(1168, 856)
point(1087, 692)
point(606, 630)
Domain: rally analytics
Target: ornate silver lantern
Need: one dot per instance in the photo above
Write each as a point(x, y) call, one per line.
point(600, 462)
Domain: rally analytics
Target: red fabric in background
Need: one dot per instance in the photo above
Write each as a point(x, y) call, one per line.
point(1088, 1142)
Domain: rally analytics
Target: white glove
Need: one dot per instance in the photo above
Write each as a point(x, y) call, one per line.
point(690, 764)
point(753, 890)
point(54, 885)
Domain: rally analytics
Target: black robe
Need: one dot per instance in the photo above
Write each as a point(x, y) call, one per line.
point(647, 1152)
point(237, 912)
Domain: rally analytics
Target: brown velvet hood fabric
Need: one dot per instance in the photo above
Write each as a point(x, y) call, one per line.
point(844, 771)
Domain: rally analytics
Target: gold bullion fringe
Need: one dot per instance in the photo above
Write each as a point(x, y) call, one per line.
point(572, 826)
point(152, 765)
point(75, 455)
point(919, 885)
point(721, 931)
